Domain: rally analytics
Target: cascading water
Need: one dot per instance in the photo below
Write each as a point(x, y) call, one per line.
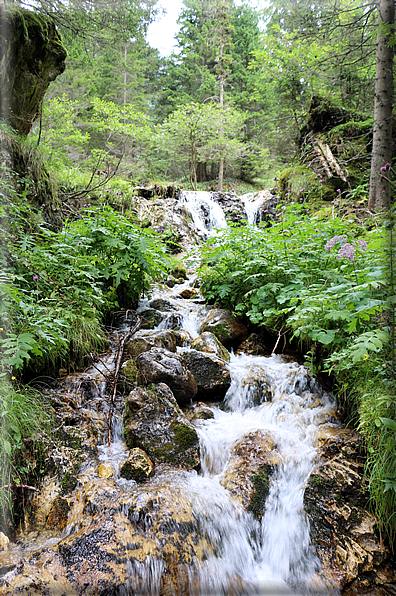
point(244, 555)
point(207, 215)
point(247, 557)
point(257, 205)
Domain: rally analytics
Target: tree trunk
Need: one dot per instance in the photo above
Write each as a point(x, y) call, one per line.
point(201, 172)
point(382, 127)
point(221, 165)
point(125, 74)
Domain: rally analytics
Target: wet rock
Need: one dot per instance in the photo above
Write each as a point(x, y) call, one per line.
point(228, 330)
point(138, 466)
point(173, 321)
point(154, 422)
point(4, 541)
point(342, 530)
point(211, 374)
point(188, 293)
point(163, 366)
point(183, 338)
point(208, 343)
point(257, 387)
point(143, 342)
point(150, 318)
point(106, 470)
point(248, 473)
point(115, 542)
point(179, 271)
point(171, 281)
point(161, 304)
point(199, 411)
point(254, 345)
point(128, 376)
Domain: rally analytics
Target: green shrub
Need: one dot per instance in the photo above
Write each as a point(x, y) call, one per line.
point(56, 287)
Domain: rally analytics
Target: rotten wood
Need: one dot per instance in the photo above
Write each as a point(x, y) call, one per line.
point(323, 161)
point(331, 161)
point(118, 362)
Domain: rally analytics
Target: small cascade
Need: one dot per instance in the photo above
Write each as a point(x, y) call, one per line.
point(207, 215)
point(253, 201)
point(291, 408)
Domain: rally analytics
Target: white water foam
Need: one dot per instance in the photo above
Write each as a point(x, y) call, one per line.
point(207, 215)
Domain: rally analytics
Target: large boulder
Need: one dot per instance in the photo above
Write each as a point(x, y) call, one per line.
point(154, 422)
point(116, 540)
point(211, 374)
point(207, 342)
point(163, 338)
point(229, 330)
point(162, 366)
point(161, 304)
point(32, 55)
point(351, 550)
point(249, 470)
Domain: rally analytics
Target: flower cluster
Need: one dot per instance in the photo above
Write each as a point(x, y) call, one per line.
point(347, 250)
point(333, 241)
point(387, 166)
point(362, 244)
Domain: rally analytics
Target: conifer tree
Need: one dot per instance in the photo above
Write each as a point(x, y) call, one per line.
point(383, 97)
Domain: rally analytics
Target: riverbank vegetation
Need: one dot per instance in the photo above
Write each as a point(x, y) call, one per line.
point(297, 106)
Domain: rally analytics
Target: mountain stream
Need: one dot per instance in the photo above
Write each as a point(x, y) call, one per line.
point(248, 555)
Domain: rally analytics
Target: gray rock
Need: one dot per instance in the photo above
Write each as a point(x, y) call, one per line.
point(229, 330)
point(212, 374)
point(161, 304)
point(207, 342)
point(162, 366)
point(161, 338)
point(138, 466)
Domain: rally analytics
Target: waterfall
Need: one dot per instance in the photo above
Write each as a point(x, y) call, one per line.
point(207, 215)
point(252, 202)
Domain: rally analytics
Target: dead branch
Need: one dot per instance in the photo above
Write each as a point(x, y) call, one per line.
point(118, 362)
point(279, 336)
point(19, 486)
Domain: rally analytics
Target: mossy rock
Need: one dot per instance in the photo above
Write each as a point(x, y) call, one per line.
point(138, 466)
point(229, 330)
point(179, 271)
point(33, 56)
point(154, 422)
point(129, 375)
point(150, 318)
point(261, 483)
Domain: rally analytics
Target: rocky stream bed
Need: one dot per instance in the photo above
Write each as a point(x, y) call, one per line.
point(229, 470)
